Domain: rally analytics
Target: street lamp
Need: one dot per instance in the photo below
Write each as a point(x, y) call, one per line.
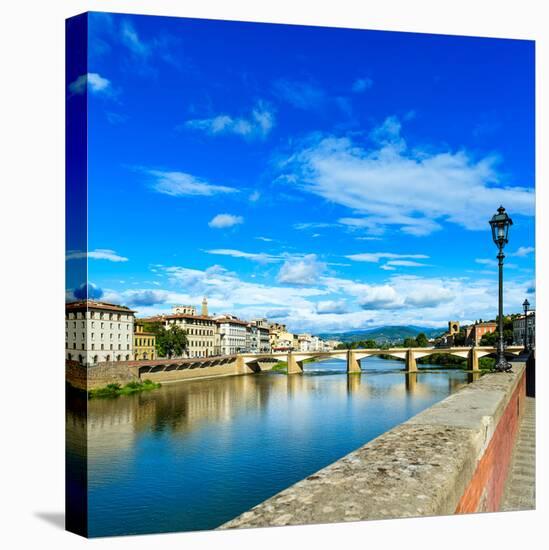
point(526, 305)
point(500, 224)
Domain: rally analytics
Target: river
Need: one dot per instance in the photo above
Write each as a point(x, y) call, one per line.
point(194, 454)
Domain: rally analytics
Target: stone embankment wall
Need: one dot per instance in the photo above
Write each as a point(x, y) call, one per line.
point(89, 378)
point(99, 376)
point(451, 458)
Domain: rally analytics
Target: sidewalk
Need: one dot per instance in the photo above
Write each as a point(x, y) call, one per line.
point(520, 489)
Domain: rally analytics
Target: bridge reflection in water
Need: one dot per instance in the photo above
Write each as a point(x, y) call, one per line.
point(193, 455)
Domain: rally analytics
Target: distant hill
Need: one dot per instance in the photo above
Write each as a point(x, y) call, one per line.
point(384, 335)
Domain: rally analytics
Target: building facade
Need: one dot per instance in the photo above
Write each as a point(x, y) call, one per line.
point(200, 332)
point(275, 330)
point(98, 332)
point(519, 329)
point(258, 340)
point(232, 335)
point(474, 333)
point(144, 344)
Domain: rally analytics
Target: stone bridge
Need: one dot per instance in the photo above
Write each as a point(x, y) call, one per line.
point(167, 370)
point(353, 357)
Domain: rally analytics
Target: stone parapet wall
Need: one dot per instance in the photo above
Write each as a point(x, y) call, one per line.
point(98, 376)
point(450, 458)
point(89, 378)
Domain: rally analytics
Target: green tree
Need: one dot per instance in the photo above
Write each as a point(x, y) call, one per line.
point(410, 343)
point(492, 338)
point(422, 340)
point(171, 342)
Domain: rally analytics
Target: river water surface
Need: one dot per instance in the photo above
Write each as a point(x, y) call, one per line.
point(195, 454)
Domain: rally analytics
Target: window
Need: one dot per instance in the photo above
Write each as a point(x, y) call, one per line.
point(93, 346)
point(102, 325)
point(74, 345)
point(102, 346)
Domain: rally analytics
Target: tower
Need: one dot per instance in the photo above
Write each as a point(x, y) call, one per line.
point(205, 307)
point(453, 327)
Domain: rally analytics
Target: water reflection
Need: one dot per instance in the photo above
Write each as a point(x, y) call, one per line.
point(192, 455)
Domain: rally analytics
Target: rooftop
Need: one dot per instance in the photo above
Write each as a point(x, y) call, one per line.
point(84, 305)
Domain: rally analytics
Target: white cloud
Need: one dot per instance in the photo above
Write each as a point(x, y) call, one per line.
point(312, 225)
point(405, 263)
point(132, 41)
point(94, 82)
point(523, 251)
point(258, 257)
point(332, 306)
point(301, 271)
point(390, 184)
point(362, 84)
point(374, 257)
point(486, 261)
point(225, 220)
point(257, 125)
point(254, 196)
point(301, 95)
point(97, 254)
point(179, 184)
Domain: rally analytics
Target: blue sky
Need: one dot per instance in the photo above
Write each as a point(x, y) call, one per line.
point(332, 179)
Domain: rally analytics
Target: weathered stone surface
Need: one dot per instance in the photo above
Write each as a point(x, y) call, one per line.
point(419, 468)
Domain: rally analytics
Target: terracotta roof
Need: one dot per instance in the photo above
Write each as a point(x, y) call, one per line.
point(85, 305)
point(233, 321)
point(174, 316)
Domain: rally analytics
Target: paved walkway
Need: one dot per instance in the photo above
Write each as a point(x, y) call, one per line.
point(520, 489)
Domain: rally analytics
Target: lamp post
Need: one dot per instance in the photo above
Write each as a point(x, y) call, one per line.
point(500, 224)
point(526, 305)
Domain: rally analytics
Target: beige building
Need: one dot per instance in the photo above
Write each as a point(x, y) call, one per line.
point(275, 329)
point(200, 329)
point(200, 332)
point(144, 344)
point(232, 335)
point(519, 329)
point(97, 332)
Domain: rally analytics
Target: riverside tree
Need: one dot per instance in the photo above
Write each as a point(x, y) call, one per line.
point(170, 342)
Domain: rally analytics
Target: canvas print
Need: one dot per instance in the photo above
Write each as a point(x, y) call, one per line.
point(300, 276)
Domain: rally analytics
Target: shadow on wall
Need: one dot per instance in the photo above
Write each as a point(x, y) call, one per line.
point(531, 375)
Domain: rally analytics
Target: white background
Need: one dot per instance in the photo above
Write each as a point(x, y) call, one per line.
point(32, 273)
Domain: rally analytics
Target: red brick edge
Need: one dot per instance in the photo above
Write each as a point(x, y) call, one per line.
point(485, 489)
